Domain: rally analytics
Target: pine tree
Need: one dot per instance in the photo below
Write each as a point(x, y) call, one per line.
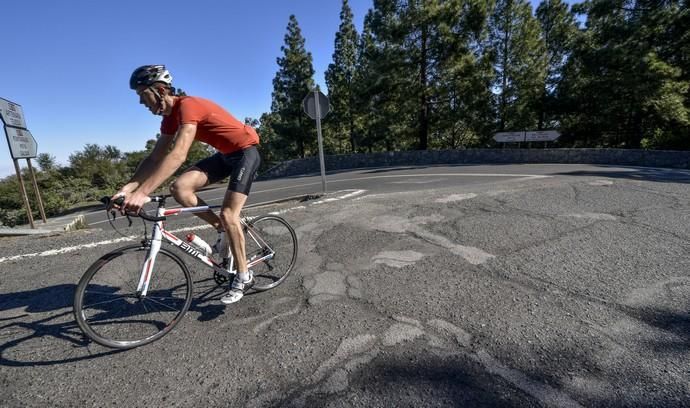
point(46, 162)
point(558, 29)
point(340, 76)
point(405, 63)
point(391, 118)
point(417, 24)
point(291, 84)
point(365, 87)
point(624, 84)
point(462, 113)
point(520, 63)
point(270, 150)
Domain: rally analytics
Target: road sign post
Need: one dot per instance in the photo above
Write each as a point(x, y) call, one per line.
point(40, 202)
point(316, 106)
point(22, 189)
point(22, 146)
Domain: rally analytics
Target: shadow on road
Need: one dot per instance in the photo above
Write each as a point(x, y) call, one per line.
point(635, 173)
point(414, 381)
point(39, 300)
point(43, 320)
point(42, 330)
point(672, 322)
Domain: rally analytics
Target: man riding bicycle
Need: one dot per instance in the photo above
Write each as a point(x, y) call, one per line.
point(185, 119)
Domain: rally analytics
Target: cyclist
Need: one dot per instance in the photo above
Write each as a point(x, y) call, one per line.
point(185, 119)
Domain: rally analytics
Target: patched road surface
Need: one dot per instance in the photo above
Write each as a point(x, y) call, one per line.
point(562, 286)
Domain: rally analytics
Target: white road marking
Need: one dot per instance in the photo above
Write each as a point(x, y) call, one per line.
point(417, 181)
point(270, 320)
point(348, 348)
point(92, 245)
point(601, 183)
point(479, 257)
point(324, 201)
point(397, 259)
point(456, 197)
point(400, 333)
point(134, 237)
point(299, 207)
point(593, 216)
point(330, 181)
point(473, 255)
point(519, 176)
point(65, 250)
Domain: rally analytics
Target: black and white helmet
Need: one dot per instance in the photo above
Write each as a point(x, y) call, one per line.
point(148, 75)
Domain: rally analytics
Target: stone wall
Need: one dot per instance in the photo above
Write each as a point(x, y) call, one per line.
point(627, 157)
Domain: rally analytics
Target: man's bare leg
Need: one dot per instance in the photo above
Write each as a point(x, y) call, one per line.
point(230, 216)
point(184, 190)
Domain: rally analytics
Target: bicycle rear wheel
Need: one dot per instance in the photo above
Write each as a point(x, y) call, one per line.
point(111, 313)
point(268, 235)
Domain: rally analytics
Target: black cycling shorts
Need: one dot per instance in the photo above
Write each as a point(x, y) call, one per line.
point(241, 166)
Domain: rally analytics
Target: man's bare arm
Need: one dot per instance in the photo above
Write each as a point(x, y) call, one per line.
point(171, 161)
point(149, 164)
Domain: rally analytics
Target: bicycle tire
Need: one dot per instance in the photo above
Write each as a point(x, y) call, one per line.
point(104, 280)
point(270, 231)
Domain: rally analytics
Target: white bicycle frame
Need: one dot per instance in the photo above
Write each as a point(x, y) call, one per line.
point(159, 233)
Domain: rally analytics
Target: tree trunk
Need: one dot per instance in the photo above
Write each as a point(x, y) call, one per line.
point(424, 107)
point(542, 111)
point(351, 117)
point(504, 79)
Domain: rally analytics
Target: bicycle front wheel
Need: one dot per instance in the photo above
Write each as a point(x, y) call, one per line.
point(109, 310)
point(272, 238)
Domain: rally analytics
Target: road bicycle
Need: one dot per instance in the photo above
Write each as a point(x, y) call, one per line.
point(137, 294)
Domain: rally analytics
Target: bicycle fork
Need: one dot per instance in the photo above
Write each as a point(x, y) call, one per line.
point(147, 268)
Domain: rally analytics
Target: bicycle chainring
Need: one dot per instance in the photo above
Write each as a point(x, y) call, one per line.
point(219, 278)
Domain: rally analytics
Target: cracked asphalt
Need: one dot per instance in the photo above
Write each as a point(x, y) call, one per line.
point(569, 290)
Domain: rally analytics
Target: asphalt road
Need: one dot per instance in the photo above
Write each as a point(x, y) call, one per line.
point(380, 180)
point(524, 285)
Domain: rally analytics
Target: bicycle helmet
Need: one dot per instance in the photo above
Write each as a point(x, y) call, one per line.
point(148, 75)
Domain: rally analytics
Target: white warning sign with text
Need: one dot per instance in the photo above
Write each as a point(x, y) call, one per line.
point(22, 143)
point(12, 114)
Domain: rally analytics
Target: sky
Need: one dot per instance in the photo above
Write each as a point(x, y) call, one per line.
point(67, 63)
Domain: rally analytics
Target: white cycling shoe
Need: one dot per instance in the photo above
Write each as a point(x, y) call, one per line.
point(237, 289)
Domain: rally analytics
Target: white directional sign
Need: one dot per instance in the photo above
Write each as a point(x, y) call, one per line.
point(509, 137)
point(12, 114)
point(22, 143)
point(541, 136)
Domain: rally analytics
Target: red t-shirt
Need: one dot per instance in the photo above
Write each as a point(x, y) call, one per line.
point(215, 126)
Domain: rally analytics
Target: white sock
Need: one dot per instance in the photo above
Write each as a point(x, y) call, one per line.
point(244, 276)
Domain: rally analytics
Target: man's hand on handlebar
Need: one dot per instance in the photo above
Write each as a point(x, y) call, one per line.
point(134, 202)
point(123, 203)
point(126, 203)
point(114, 202)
